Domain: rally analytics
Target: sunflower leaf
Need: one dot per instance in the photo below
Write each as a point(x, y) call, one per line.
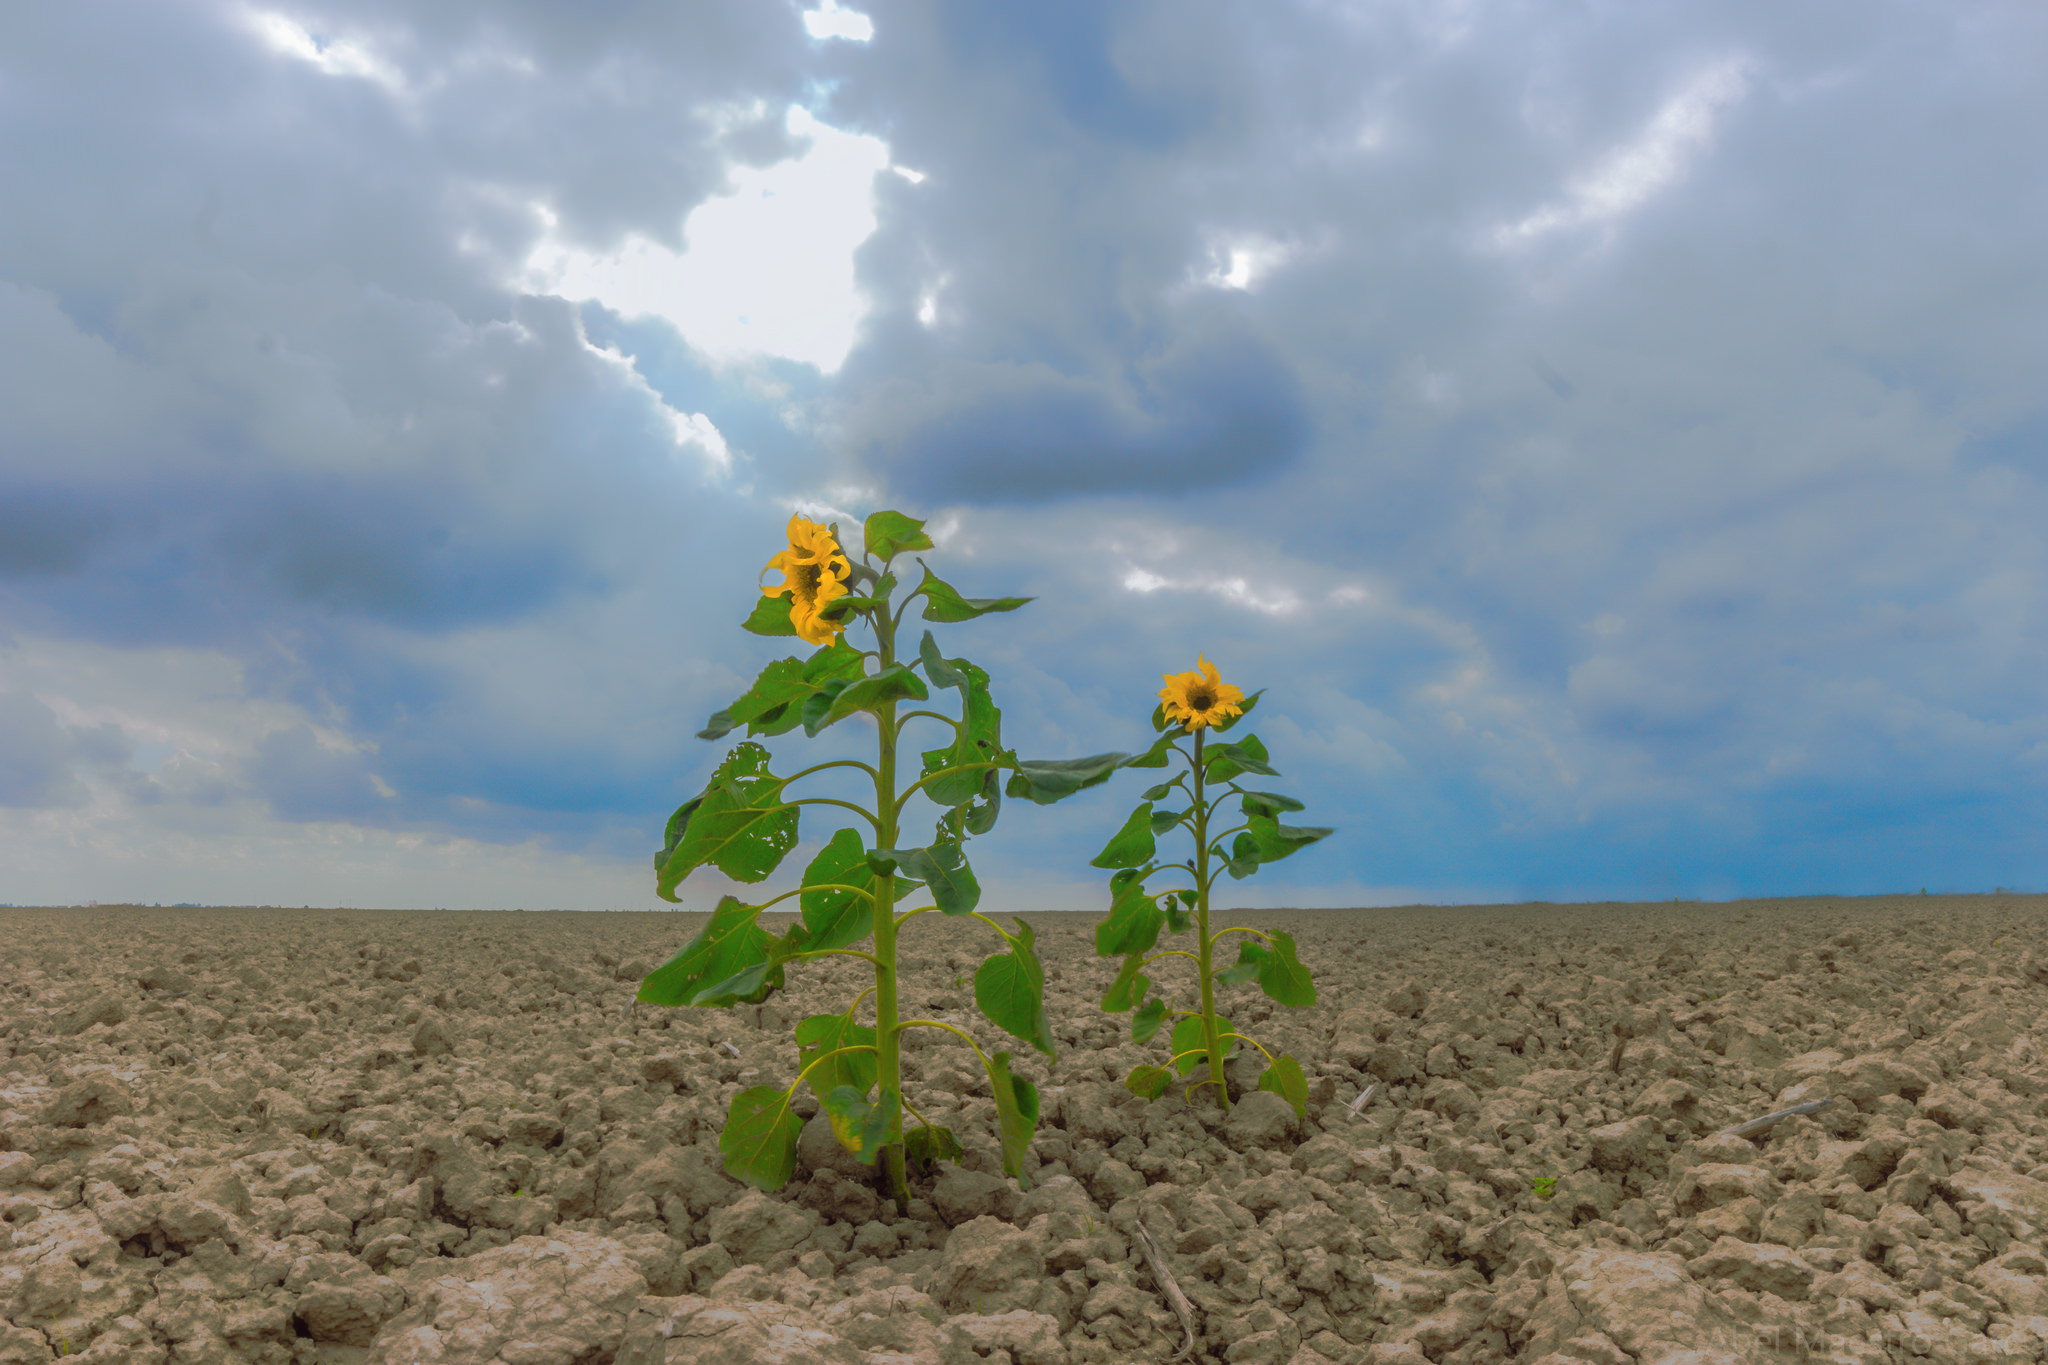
point(756, 981)
point(1159, 720)
point(1269, 804)
point(1244, 856)
point(943, 602)
point(1284, 1079)
point(1129, 987)
point(1164, 820)
point(1190, 1046)
point(1221, 762)
point(888, 534)
point(943, 871)
point(729, 942)
point(1283, 978)
point(837, 918)
point(739, 824)
point(1148, 1082)
point(771, 617)
point(929, 1144)
point(838, 608)
point(863, 1128)
point(1132, 925)
point(1045, 781)
point(1250, 957)
point(1177, 906)
point(773, 704)
point(1277, 841)
point(1016, 1115)
point(1131, 845)
point(1009, 989)
point(824, 1033)
point(1147, 1020)
point(1158, 792)
point(759, 1138)
point(894, 683)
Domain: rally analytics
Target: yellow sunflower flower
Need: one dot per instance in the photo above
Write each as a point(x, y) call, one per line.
point(1199, 698)
point(814, 572)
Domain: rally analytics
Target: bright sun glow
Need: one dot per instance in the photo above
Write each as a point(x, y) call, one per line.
point(766, 270)
point(336, 57)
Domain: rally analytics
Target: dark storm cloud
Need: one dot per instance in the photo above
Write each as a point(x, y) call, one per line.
point(1614, 433)
point(1208, 411)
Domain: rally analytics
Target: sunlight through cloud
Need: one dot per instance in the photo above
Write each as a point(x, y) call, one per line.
point(766, 270)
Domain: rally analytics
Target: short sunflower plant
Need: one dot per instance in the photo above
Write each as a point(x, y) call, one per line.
point(1194, 707)
point(867, 881)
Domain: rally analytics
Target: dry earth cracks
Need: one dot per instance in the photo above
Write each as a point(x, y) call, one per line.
point(344, 1137)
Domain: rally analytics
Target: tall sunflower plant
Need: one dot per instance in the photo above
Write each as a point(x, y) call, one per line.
point(1192, 708)
point(866, 882)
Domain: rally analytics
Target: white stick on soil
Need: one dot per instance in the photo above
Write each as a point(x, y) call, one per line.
point(1357, 1106)
point(1759, 1125)
point(1170, 1287)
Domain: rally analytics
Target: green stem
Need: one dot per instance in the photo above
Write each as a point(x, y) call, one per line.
point(888, 1032)
point(1210, 1034)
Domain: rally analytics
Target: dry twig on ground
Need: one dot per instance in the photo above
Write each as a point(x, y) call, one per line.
point(1170, 1287)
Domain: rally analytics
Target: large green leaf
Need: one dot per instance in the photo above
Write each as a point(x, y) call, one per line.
point(1146, 1021)
point(823, 1033)
point(1148, 1082)
point(1016, 1115)
point(1282, 976)
point(1131, 845)
point(977, 740)
point(943, 602)
point(894, 683)
point(1132, 925)
point(729, 942)
point(863, 1128)
point(1277, 841)
point(1045, 781)
point(756, 982)
point(1267, 803)
point(838, 918)
point(774, 704)
point(1009, 988)
point(943, 871)
point(1284, 1079)
point(759, 1138)
point(1244, 855)
point(1222, 762)
point(928, 1144)
point(1246, 968)
point(888, 534)
point(771, 617)
point(740, 824)
point(1190, 1047)
point(1154, 757)
point(1129, 987)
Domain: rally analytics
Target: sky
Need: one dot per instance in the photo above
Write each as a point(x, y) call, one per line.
point(1615, 434)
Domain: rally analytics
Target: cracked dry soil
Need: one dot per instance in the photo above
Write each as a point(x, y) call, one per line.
point(341, 1136)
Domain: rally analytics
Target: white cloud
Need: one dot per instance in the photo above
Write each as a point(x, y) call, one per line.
point(1242, 262)
point(335, 56)
point(767, 270)
point(1655, 159)
point(830, 21)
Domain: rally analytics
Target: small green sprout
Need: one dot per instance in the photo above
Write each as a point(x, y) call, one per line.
point(1543, 1186)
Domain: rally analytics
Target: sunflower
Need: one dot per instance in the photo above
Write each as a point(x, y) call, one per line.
point(814, 572)
point(1200, 698)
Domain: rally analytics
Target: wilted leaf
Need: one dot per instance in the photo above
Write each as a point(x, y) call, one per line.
point(1016, 1115)
point(1148, 1082)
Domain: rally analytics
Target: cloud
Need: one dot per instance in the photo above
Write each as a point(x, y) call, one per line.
point(1613, 439)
